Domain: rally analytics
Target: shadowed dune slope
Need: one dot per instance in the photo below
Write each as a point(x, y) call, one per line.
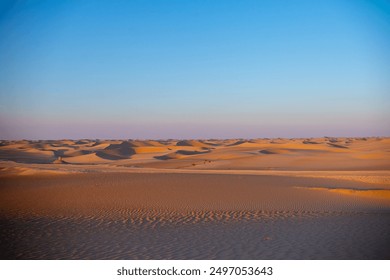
point(117, 151)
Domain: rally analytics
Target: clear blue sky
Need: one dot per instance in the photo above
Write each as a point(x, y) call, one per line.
point(194, 69)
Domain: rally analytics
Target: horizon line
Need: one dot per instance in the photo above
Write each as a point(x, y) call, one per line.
point(183, 139)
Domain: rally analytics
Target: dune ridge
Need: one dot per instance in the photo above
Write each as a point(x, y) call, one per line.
point(233, 154)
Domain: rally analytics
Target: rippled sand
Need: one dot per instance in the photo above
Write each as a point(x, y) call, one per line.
point(267, 236)
point(162, 215)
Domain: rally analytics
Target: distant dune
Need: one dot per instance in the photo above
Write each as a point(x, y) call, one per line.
point(234, 154)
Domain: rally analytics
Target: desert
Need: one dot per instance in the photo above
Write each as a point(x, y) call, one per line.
point(297, 198)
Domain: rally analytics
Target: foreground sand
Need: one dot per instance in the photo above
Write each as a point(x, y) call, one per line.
point(232, 199)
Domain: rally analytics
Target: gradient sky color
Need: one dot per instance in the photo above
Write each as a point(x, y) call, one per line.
point(194, 69)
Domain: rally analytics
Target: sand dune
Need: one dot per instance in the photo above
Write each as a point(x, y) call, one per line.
point(252, 154)
point(117, 151)
point(317, 198)
point(192, 143)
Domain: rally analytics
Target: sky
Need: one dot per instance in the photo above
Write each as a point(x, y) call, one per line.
point(194, 69)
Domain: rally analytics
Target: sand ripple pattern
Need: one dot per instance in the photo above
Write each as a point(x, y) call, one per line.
point(252, 236)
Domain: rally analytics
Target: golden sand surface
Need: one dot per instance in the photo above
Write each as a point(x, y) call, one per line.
point(323, 198)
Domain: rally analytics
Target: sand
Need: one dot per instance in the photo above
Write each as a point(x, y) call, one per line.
point(322, 198)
